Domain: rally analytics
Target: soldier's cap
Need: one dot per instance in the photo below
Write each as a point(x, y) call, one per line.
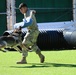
point(22, 5)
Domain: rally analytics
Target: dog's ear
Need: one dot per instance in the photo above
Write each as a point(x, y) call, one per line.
point(20, 28)
point(15, 30)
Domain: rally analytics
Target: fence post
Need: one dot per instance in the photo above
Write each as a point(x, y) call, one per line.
point(74, 10)
point(11, 14)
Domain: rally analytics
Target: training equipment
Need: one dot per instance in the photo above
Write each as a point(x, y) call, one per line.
point(58, 35)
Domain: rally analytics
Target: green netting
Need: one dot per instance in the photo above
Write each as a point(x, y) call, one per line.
point(54, 10)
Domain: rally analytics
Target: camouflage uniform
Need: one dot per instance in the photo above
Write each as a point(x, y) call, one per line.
point(29, 41)
point(31, 36)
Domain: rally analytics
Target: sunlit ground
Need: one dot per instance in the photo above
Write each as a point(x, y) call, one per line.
point(56, 63)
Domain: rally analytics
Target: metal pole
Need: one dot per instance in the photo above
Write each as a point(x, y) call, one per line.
point(8, 14)
point(13, 12)
point(74, 10)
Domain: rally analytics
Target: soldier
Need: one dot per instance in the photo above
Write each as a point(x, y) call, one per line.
point(29, 41)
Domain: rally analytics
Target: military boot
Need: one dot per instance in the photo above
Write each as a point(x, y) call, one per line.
point(23, 61)
point(41, 56)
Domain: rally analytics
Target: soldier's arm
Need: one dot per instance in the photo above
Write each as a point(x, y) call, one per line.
point(28, 21)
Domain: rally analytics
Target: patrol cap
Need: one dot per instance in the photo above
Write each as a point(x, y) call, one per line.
point(22, 5)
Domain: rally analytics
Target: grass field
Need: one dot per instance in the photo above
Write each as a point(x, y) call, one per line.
point(56, 63)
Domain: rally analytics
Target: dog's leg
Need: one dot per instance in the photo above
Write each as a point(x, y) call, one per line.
point(3, 46)
point(18, 48)
point(2, 50)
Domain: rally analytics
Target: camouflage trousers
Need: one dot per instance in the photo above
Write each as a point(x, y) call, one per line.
point(29, 42)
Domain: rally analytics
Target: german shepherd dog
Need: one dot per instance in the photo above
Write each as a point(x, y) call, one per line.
point(13, 40)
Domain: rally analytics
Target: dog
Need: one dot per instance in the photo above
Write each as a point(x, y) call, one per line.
point(13, 40)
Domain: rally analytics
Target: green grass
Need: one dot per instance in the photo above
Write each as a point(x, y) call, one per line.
point(56, 63)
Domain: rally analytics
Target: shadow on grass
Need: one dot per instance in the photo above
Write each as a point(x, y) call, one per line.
point(44, 65)
point(61, 65)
